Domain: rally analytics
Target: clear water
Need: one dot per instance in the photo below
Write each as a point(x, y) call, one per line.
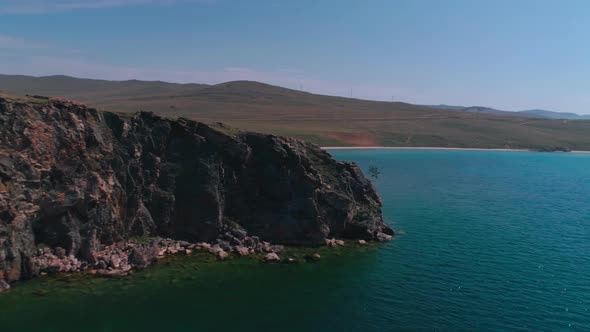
point(487, 241)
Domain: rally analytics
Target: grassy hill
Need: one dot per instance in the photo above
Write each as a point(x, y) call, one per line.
point(326, 120)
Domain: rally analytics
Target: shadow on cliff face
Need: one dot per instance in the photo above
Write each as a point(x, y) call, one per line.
point(74, 177)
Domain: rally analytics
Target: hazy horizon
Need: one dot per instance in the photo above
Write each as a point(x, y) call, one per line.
point(504, 55)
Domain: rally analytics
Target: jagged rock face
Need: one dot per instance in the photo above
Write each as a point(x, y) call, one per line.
point(74, 177)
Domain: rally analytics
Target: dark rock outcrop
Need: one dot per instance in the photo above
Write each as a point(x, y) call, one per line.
point(77, 178)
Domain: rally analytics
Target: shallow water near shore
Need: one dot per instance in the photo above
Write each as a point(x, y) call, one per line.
point(487, 240)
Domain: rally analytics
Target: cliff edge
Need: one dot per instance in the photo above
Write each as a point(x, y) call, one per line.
point(76, 178)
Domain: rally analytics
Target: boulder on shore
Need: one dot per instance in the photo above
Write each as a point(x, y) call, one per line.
point(4, 286)
point(221, 255)
point(141, 257)
point(272, 257)
point(242, 251)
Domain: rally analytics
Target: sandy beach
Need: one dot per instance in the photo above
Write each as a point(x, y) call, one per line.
point(411, 148)
point(427, 148)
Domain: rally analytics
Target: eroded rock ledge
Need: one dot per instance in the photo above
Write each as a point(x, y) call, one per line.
point(76, 178)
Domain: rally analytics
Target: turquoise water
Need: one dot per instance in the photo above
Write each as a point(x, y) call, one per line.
point(487, 241)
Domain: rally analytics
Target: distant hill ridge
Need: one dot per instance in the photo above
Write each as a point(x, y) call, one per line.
point(67, 86)
point(556, 115)
point(536, 113)
point(321, 119)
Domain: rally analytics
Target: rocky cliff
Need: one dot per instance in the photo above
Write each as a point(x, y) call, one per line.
point(76, 178)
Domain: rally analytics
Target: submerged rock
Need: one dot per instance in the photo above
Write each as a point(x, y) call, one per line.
point(313, 257)
point(79, 179)
point(382, 237)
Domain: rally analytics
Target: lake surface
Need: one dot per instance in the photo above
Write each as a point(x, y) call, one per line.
point(486, 241)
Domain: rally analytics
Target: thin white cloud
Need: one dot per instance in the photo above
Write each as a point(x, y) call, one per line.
point(15, 43)
point(45, 6)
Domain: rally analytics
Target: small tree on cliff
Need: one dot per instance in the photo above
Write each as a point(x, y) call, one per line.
point(374, 172)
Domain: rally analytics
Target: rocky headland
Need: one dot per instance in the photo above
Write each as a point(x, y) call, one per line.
point(78, 185)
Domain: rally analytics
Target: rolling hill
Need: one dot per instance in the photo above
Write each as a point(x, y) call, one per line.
point(325, 120)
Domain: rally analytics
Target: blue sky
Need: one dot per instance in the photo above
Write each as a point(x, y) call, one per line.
point(510, 55)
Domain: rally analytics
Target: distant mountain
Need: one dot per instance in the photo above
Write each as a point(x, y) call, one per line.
point(537, 113)
point(556, 115)
point(488, 110)
point(481, 110)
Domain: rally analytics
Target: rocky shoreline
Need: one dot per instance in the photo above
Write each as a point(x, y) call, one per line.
point(124, 257)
